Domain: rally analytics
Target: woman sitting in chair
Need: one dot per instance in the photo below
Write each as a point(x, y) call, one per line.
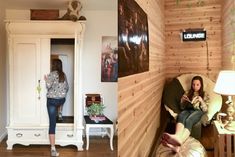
point(194, 104)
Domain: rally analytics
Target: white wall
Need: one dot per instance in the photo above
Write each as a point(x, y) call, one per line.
point(66, 55)
point(3, 100)
point(99, 23)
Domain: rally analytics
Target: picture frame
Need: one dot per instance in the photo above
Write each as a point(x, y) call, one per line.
point(133, 39)
point(109, 59)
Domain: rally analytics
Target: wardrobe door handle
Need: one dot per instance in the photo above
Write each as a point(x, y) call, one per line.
point(69, 135)
point(37, 135)
point(39, 89)
point(19, 135)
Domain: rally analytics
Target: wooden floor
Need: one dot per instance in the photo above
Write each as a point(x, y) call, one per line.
point(99, 147)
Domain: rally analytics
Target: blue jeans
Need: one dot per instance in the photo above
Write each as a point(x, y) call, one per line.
point(189, 117)
point(52, 105)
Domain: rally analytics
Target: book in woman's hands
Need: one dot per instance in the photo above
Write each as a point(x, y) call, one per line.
point(194, 100)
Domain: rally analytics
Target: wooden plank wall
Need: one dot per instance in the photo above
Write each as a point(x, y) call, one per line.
point(139, 96)
point(228, 26)
point(192, 57)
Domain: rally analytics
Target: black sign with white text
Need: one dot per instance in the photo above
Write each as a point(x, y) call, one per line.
point(194, 36)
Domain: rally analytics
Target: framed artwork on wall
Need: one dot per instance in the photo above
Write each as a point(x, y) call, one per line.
point(109, 59)
point(133, 40)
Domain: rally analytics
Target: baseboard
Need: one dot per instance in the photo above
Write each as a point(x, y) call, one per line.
point(3, 135)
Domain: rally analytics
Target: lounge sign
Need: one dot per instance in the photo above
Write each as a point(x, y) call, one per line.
point(194, 36)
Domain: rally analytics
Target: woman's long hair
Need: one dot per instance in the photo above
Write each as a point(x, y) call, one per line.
point(57, 66)
point(200, 92)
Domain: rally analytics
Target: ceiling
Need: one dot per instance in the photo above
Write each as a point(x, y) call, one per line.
point(60, 4)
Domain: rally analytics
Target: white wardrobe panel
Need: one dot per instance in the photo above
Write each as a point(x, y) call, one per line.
point(26, 63)
point(45, 69)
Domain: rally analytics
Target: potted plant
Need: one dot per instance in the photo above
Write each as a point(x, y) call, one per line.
point(95, 111)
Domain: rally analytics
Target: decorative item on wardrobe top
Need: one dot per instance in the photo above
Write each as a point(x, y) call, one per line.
point(73, 11)
point(44, 14)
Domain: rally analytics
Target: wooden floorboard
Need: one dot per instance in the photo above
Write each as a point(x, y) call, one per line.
point(99, 147)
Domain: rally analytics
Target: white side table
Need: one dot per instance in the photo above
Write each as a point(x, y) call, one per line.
point(105, 124)
point(223, 139)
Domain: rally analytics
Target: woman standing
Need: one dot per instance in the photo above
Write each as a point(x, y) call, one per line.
point(57, 88)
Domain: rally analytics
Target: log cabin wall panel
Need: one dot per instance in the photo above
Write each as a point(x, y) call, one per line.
point(228, 26)
point(186, 57)
point(140, 95)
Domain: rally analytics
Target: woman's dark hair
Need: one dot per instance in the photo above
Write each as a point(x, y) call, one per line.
point(200, 92)
point(57, 66)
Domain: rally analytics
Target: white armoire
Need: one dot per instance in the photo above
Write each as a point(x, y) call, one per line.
point(29, 55)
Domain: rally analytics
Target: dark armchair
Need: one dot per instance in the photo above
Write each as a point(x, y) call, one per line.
point(174, 90)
